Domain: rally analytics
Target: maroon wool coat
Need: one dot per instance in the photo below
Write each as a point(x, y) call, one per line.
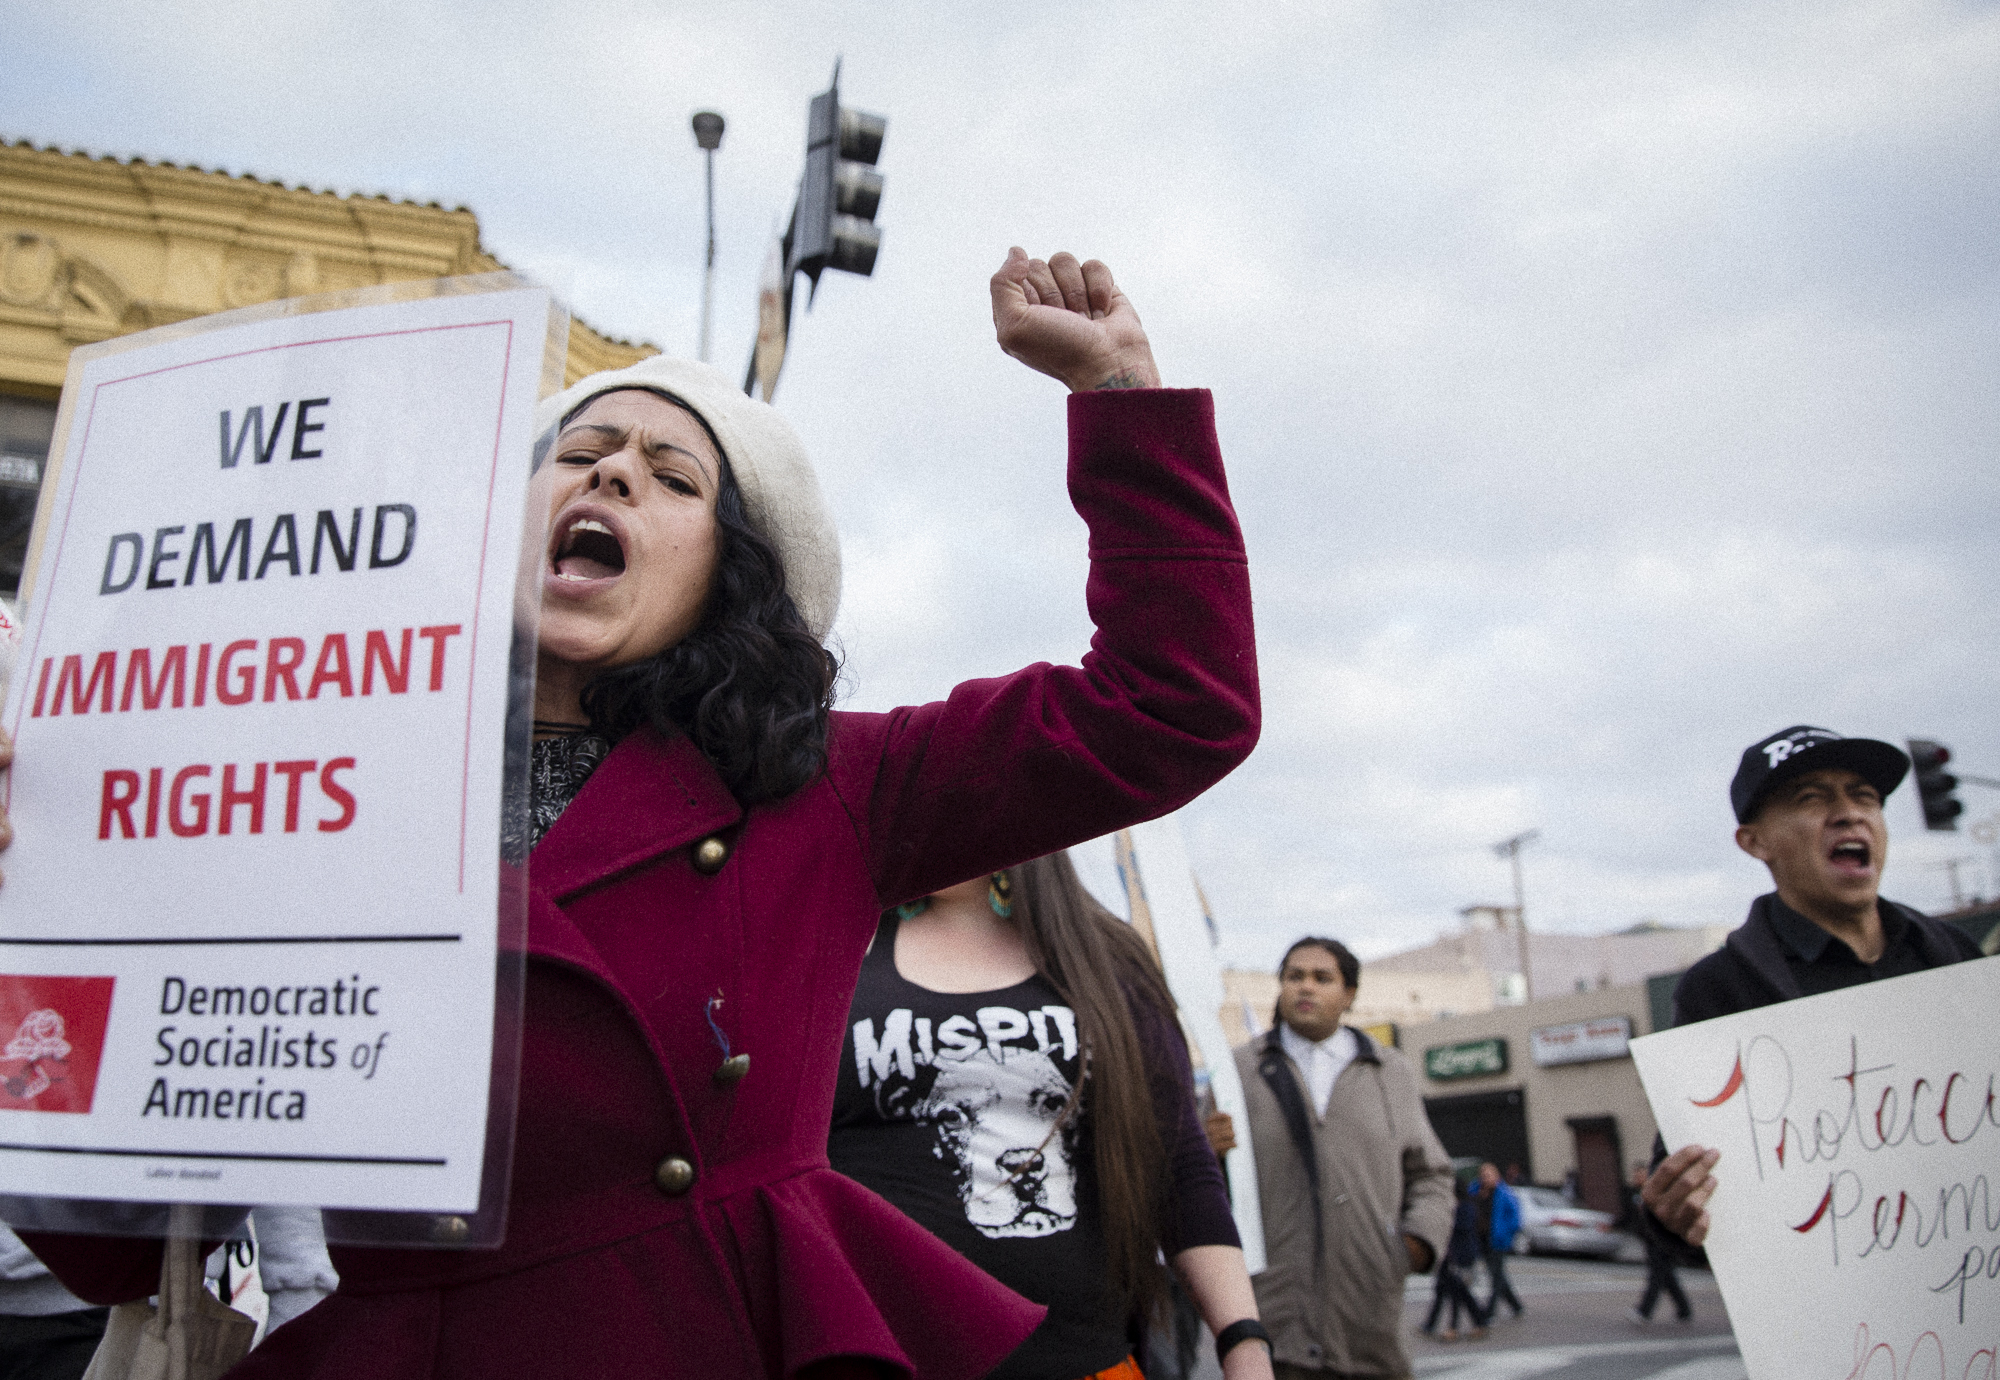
point(772, 1261)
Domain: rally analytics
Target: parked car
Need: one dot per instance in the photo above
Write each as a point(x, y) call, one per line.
point(1552, 1225)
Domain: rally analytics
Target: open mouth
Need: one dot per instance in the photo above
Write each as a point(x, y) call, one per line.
point(1851, 855)
point(588, 550)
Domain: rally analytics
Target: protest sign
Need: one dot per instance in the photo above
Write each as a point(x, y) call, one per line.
point(1856, 1228)
point(249, 931)
point(1161, 886)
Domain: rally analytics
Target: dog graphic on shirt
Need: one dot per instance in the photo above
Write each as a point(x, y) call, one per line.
point(997, 1122)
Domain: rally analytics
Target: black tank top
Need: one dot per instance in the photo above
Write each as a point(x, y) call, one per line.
point(950, 1105)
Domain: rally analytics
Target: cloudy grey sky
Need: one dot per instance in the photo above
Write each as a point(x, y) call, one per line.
point(1604, 386)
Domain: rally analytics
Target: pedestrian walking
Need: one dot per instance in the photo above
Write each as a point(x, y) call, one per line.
point(1661, 1277)
point(1499, 1221)
point(1355, 1187)
point(1016, 1080)
point(713, 847)
point(1450, 1288)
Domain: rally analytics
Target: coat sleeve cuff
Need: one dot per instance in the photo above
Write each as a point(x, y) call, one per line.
point(1146, 468)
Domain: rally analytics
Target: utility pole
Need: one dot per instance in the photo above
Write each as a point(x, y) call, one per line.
point(1987, 831)
point(1510, 849)
point(1951, 866)
point(708, 137)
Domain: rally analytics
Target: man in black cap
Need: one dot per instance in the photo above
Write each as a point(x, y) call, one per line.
point(1809, 807)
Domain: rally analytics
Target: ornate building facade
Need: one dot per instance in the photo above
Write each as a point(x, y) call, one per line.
point(92, 248)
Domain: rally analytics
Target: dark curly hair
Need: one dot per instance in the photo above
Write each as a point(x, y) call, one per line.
point(751, 686)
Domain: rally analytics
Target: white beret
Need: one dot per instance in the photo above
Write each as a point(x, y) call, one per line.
point(780, 491)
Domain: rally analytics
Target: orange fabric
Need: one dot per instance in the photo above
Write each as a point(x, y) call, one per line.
point(1127, 1369)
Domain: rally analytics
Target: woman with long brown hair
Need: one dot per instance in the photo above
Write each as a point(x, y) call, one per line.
point(1016, 1080)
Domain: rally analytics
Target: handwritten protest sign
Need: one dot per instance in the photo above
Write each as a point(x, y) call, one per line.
point(1856, 1227)
point(248, 929)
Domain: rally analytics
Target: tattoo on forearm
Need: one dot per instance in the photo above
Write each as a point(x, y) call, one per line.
point(1124, 378)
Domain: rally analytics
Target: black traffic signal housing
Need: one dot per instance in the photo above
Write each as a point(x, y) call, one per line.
point(834, 225)
point(1935, 785)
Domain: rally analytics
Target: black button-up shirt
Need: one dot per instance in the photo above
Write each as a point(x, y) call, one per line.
point(1822, 963)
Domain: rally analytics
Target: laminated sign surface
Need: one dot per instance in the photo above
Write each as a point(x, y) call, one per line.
point(1856, 1225)
point(248, 929)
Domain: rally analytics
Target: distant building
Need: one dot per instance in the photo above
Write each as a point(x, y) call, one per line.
point(1250, 998)
point(92, 248)
point(1547, 1091)
point(1489, 945)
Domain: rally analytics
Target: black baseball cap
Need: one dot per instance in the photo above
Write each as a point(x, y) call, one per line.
point(1803, 748)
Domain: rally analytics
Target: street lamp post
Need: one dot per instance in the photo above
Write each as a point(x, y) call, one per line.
point(708, 136)
point(1510, 849)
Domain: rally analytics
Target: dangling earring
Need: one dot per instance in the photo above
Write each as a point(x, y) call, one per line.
point(910, 910)
point(1000, 894)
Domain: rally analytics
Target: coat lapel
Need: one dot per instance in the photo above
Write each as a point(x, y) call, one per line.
point(1756, 942)
point(651, 796)
point(1276, 1071)
point(1365, 1049)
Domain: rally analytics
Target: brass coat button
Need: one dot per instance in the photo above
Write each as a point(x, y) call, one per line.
point(673, 1176)
point(730, 1072)
point(709, 856)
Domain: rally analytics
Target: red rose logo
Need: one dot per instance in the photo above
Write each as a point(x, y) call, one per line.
point(49, 1063)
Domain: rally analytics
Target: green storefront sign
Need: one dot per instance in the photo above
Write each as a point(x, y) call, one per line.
point(1473, 1059)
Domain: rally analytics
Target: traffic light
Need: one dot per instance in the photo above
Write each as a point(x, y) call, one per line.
point(834, 226)
point(1935, 785)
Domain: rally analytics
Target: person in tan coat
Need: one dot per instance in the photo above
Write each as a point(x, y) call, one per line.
point(1356, 1189)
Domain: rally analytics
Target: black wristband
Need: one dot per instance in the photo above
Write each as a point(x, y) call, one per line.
point(1241, 1330)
